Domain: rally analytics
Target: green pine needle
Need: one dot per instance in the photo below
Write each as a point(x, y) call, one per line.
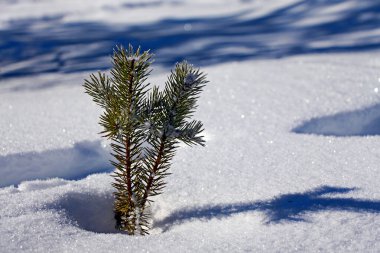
point(144, 126)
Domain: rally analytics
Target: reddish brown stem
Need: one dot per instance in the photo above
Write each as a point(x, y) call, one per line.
point(128, 168)
point(128, 162)
point(153, 172)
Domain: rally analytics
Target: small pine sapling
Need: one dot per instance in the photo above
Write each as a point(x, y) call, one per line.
point(144, 126)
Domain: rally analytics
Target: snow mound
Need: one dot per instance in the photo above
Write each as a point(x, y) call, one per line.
point(40, 184)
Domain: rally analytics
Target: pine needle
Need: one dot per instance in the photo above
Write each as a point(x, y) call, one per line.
point(145, 127)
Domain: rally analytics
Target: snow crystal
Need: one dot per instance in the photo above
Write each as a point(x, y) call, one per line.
point(147, 124)
point(190, 79)
point(133, 58)
point(120, 135)
point(187, 27)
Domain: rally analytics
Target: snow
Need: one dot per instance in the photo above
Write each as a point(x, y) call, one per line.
point(291, 116)
point(190, 79)
point(82, 159)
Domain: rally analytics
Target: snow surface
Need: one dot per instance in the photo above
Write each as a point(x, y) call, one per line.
point(292, 156)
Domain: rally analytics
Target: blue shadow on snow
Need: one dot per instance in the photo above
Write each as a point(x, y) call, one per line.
point(48, 44)
point(362, 122)
point(75, 163)
point(90, 211)
point(291, 207)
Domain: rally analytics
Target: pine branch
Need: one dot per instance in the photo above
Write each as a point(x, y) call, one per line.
point(121, 96)
point(180, 96)
point(144, 129)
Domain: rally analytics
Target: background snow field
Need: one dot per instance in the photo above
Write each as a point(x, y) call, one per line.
point(292, 119)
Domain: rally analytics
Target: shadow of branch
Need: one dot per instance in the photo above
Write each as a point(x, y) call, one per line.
point(85, 46)
point(284, 208)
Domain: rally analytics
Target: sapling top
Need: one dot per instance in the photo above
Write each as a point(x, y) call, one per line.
point(145, 126)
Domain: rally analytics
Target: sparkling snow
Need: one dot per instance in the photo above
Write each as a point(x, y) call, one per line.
point(291, 162)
